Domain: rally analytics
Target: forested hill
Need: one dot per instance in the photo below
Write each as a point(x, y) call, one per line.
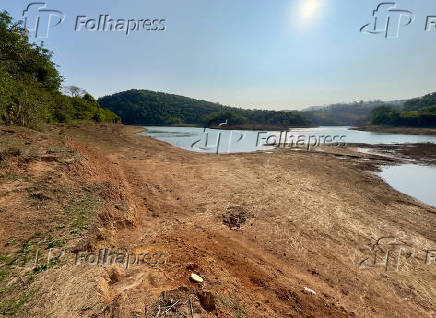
point(417, 112)
point(144, 107)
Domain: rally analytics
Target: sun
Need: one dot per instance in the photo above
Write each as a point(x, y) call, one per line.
point(308, 8)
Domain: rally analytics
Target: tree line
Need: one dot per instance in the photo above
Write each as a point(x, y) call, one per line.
point(417, 112)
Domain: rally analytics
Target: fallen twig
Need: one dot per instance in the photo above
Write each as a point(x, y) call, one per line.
point(158, 313)
point(190, 306)
point(171, 307)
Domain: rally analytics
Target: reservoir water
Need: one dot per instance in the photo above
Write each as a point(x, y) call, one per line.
point(415, 180)
point(232, 141)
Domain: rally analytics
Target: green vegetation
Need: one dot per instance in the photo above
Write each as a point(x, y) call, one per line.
point(384, 115)
point(420, 102)
point(30, 84)
point(232, 302)
point(3, 274)
point(11, 307)
point(143, 107)
point(80, 211)
point(13, 295)
point(417, 112)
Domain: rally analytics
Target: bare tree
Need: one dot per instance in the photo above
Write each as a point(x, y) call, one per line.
point(75, 91)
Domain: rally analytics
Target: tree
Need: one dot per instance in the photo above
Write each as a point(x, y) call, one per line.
point(75, 91)
point(28, 76)
point(30, 83)
point(384, 115)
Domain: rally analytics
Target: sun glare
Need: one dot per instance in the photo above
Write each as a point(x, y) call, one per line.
point(308, 8)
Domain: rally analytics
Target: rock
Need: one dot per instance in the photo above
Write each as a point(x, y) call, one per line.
point(309, 291)
point(196, 279)
point(207, 300)
point(69, 160)
point(115, 275)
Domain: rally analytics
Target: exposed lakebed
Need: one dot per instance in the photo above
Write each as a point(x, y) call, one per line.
point(415, 180)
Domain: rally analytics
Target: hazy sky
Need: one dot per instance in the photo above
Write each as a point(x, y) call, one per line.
point(276, 54)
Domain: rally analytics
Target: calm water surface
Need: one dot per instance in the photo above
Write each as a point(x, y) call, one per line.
point(414, 180)
point(232, 141)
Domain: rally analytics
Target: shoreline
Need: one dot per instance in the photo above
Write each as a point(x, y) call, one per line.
point(419, 153)
point(398, 130)
point(237, 127)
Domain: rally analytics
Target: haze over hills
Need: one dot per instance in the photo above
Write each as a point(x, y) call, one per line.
point(346, 114)
point(416, 112)
point(361, 103)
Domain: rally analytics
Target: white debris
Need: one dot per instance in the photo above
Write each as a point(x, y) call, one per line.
point(309, 291)
point(195, 278)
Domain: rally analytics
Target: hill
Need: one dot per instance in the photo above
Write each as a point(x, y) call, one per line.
point(420, 102)
point(346, 114)
point(144, 107)
point(360, 103)
point(417, 112)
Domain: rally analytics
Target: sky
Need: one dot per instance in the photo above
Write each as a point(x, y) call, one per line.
point(280, 54)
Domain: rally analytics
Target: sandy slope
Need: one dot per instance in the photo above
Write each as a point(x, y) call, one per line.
point(257, 227)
